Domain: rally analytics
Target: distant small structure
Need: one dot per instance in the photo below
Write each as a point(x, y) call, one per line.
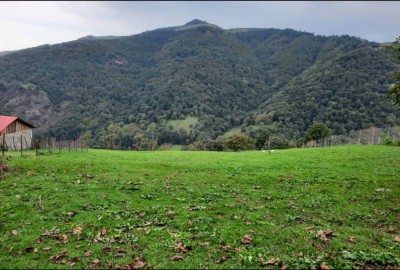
point(15, 133)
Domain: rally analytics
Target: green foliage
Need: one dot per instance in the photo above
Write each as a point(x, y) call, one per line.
point(278, 142)
point(317, 131)
point(394, 89)
point(239, 141)
point(200, 80)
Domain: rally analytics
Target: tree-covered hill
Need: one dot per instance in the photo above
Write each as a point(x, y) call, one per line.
point(124, 87)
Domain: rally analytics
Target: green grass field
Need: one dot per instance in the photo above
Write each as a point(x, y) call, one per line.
point(300, 208)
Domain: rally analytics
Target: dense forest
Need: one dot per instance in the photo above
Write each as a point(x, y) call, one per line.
point(198, 81)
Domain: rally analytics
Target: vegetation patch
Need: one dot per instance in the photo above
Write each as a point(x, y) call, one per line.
point(187, 124)
point(326, 208)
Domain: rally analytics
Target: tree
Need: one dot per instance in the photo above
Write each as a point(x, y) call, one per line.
point(317, 131)
point(239, 141)
point(394, 89)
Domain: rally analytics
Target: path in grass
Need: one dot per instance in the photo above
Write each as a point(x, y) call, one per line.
point(337, 207)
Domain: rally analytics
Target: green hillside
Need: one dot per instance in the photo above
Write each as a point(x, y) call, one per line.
point(281, 80)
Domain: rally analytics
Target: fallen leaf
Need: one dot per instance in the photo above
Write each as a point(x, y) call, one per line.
point(247, 222)
point(351, 239)
point(220, 260)
point(392, 229)
point(177, 258)
point(18, 196)
point(107, 249)
point(270, 262)
point(14, 232)
point(310, 228)
point(313, 267)
point(325, 235)
point(246, 239)
point(47, 248)
point(139, 263)
point(284, 267)
point(58, 256)
point(104, 231)
point(77, 230)
point(181, 248)
point(71, 214)
point(95, 263)
point(71, 264)
point(88, 253)
point(324, 267)
point(29, 249)
point(396, 239)
point(10, 250)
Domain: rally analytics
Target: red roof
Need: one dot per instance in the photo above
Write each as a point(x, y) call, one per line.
point(6, 120)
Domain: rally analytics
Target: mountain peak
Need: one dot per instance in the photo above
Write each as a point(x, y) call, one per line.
point(196, 21)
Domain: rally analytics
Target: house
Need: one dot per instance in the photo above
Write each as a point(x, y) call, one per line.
point(14, 133)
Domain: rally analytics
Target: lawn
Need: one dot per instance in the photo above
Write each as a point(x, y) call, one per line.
point(322, 208)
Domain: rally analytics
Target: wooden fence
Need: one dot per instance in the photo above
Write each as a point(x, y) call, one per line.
point(49, 144)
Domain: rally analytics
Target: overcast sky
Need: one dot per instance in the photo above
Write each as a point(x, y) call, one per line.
point(30, 24)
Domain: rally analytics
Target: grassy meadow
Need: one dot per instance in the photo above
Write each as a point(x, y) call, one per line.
point(319, 208)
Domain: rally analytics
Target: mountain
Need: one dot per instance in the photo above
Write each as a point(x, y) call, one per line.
point(198, 73)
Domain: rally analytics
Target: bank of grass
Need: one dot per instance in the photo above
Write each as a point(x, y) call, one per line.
point(328, 207)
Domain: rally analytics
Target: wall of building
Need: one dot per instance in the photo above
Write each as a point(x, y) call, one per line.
point(13, 140)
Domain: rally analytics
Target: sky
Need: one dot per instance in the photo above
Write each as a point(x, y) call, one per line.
point(30, 24)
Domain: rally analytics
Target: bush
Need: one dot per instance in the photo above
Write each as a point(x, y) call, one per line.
point(239, 141)
point(279, 142)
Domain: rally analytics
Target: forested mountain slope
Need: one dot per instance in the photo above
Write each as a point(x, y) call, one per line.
point(282, 80)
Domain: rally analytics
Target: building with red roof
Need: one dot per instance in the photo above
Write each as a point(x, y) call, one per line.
point(14, 133)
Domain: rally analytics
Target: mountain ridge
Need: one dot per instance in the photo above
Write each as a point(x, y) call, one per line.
point(254, 79)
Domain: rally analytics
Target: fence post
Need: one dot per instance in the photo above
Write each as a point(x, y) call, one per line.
point(4, 143)
point(21, 145)
point(373, 134)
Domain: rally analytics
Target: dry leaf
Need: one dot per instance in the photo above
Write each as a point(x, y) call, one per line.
point(58, 256)
point(325, 235)
point(220, 260)
point(270, 262)
point(392, 229)
point(95, 263)
point(88, 253)
point(104, 231)
point(29, 249)
point(77, 230)
point(139, 263)
point(14, 232)
point(310, 228)
point(107, 249)
point(396, 239)
point(324, 267)
point(351, 239)
point(177, 258)
point(246, 239)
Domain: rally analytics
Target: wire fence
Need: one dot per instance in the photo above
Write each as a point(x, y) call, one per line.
point(368, 136)
point(51, 145)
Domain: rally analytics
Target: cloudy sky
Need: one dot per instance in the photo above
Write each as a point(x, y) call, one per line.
point(30, 24)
